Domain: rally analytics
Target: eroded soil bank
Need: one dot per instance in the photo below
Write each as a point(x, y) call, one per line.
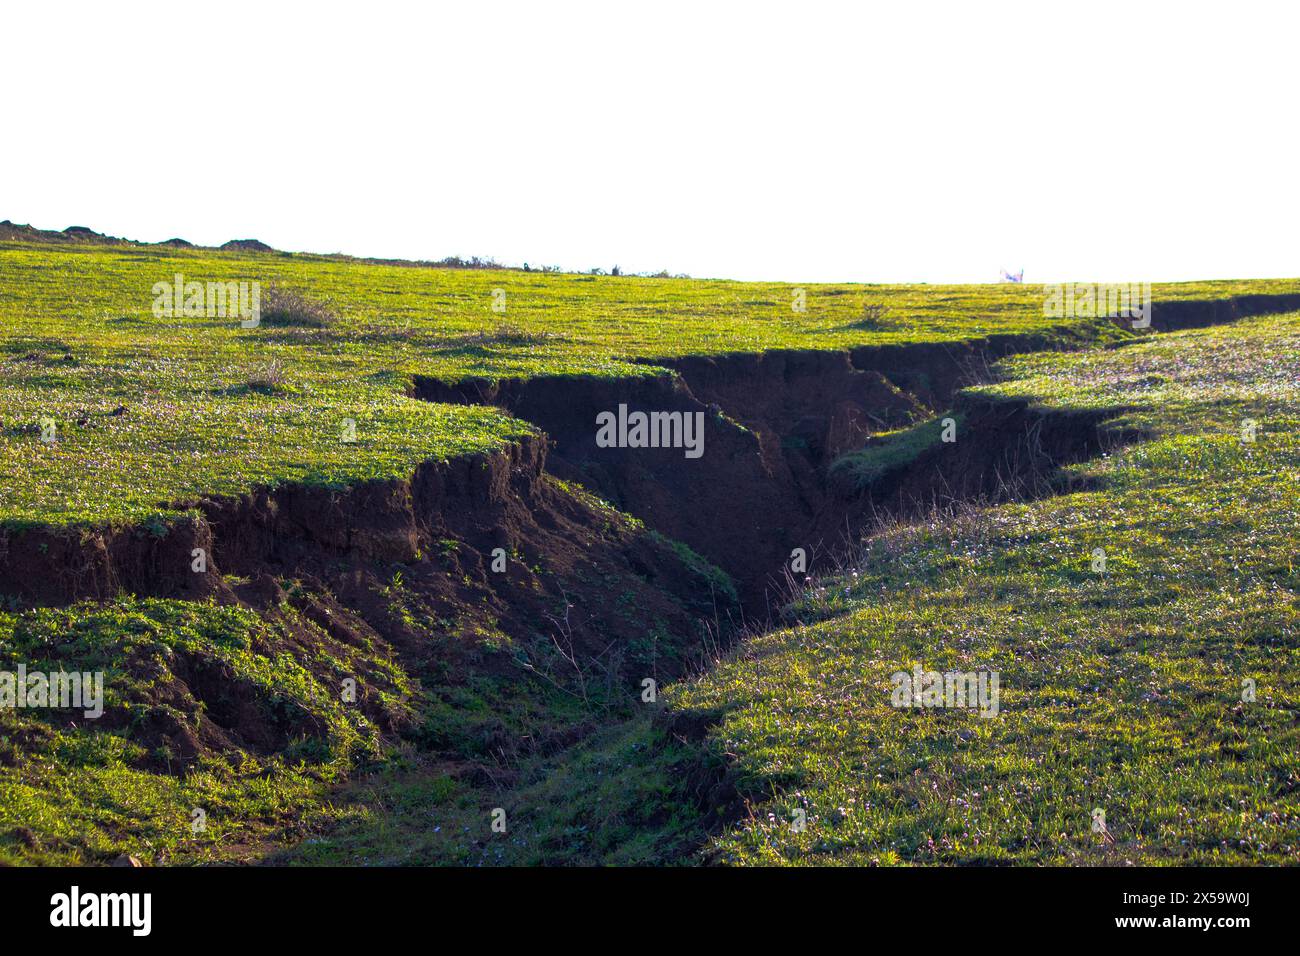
point(776, 421)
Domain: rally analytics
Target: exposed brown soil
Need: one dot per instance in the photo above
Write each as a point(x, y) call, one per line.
point(441, 528)
point(52, 567)
point(441, 525)
point(743, 504)
point(776, 420)
point(773, 422)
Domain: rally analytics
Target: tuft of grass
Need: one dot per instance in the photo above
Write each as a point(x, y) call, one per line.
point(268, 379)
point(282, 306)
point(873, 318)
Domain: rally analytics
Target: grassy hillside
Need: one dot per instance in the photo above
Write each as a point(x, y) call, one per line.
point(1120, 689)
point(152, 413)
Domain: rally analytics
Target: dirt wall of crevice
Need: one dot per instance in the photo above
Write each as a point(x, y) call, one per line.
point(774, 422)
point(573, 571)
point(736, 504)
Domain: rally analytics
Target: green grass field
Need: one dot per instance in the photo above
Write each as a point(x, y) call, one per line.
point(1121, 688)
point(152, 413)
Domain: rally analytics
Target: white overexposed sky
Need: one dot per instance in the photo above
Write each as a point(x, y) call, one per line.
point(797, 141)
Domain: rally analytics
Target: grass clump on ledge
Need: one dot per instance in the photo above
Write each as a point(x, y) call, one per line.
point(889, 451)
